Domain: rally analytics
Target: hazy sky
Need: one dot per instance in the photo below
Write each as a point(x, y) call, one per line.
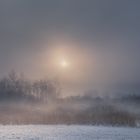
point(99, 38)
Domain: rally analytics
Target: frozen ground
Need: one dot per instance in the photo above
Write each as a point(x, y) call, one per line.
point(72, 132)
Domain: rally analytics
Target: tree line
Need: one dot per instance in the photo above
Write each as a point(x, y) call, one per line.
point(16, 87)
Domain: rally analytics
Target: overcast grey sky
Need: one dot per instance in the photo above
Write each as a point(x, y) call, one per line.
point(111, 28)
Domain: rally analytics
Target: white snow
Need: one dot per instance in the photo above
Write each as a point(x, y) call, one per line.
point(64, 132)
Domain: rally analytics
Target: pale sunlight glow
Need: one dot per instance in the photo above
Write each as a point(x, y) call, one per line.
point(64, 64)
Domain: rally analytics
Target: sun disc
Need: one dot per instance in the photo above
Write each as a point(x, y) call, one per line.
point(64, 64)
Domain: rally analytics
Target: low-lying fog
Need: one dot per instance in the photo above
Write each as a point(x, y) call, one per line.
point(40, 102)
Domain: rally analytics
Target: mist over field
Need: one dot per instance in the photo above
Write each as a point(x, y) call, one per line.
point(40, 102)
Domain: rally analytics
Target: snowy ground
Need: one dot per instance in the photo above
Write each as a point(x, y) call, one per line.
point(72, 132)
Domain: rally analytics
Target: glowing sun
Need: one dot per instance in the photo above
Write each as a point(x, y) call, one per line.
point(64, 64)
